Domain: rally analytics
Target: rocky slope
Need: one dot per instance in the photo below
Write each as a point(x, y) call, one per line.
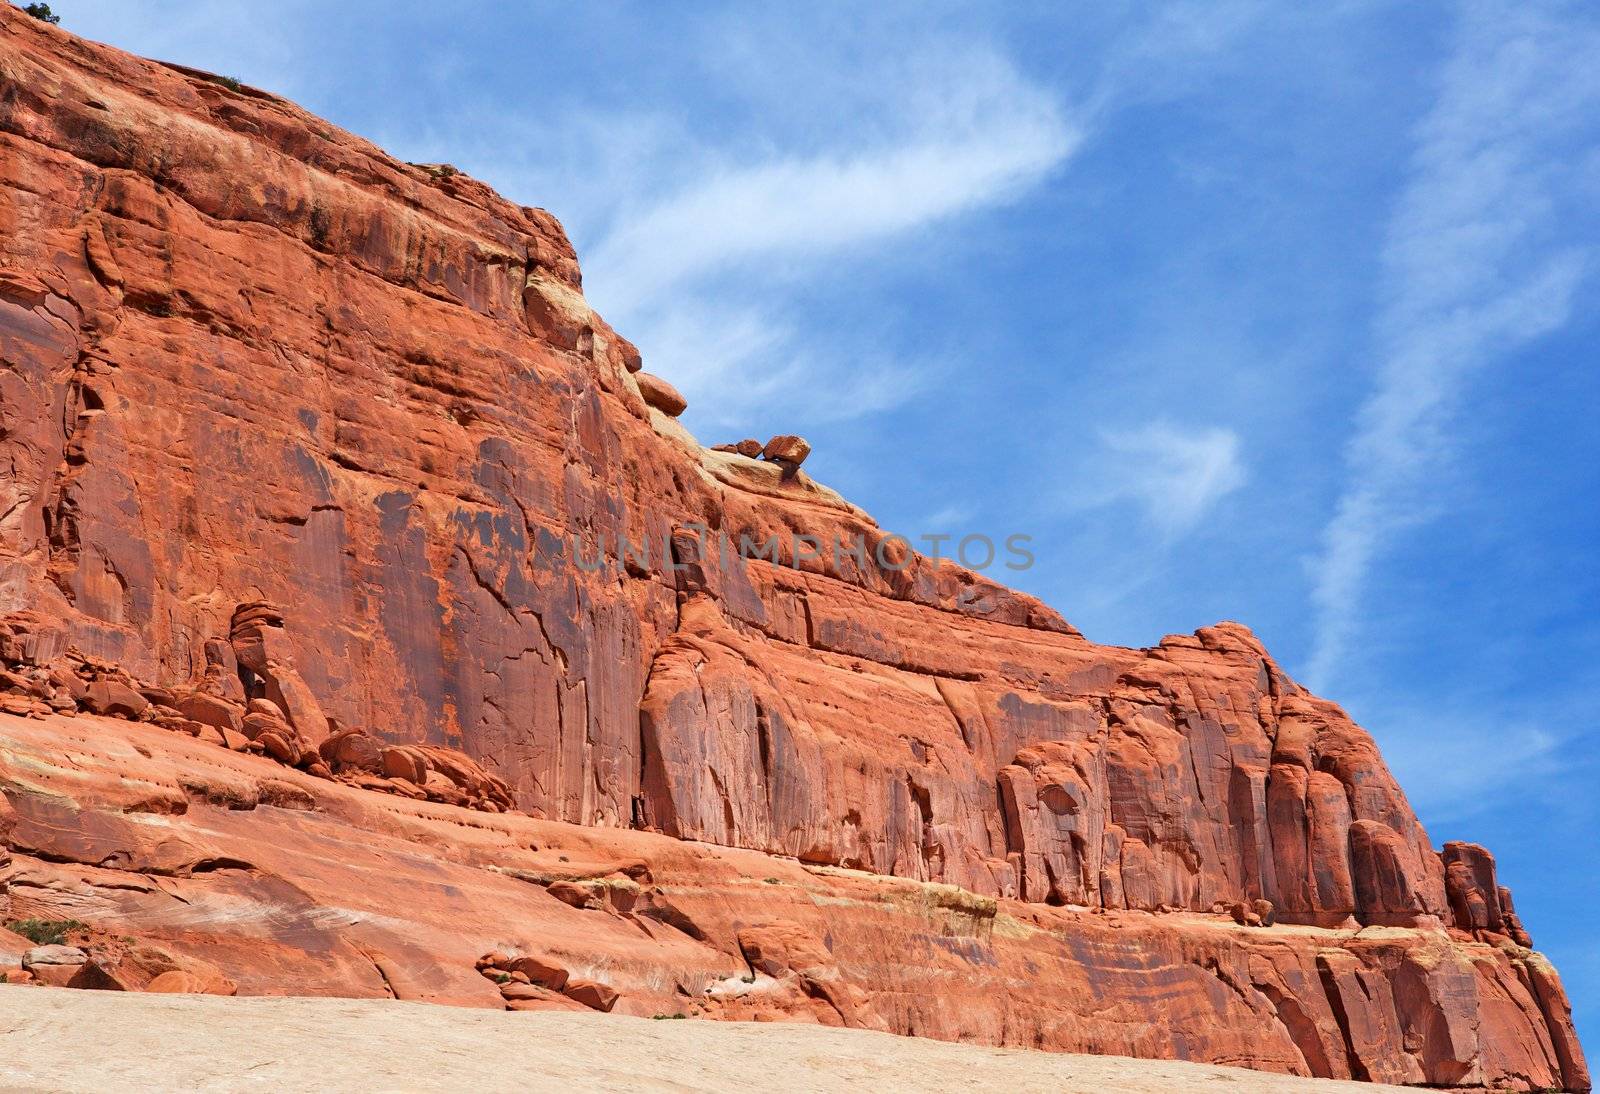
point(323, 457)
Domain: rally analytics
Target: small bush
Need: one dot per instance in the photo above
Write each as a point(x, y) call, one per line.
point(321, 225)
point(502, 978)
point(42, 11)
point(230, 82)
point(45, 932)
point(667, 1017)
point(772, 881)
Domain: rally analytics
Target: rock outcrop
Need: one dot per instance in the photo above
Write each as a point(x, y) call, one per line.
point(787, 450)
point(323, 460)
point(216, 871)
point(660, 394)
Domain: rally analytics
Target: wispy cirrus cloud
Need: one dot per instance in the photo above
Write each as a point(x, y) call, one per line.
point(1475, 265)
point(974, 148)
point(1449, 783)
point(702, 270)
point(1174, 475)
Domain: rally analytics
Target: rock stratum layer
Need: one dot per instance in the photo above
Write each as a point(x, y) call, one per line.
point(327, 452)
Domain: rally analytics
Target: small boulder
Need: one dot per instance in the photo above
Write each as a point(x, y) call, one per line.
point(54, 965)
point(787, 449)
point(53, 976)
point(440, 789)
point(749, 447)
point(465, 773)
point(280, 746)
point(69, 683)
point(660, 394)
point(113, 698)
point(404, 762)
point(255, 724)
point(1264, 911)
point(632, 359)
point(267, 707)
point(211, 710)
point(540, 971)
point(352, 749)
point(95, 975)
point(184, 725)
point(53, 955)
point(592, 994)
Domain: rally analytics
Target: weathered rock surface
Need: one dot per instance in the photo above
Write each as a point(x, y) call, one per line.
point(328, 454)
point(200, 854)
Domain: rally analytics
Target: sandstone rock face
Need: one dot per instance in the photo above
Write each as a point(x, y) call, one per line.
point(351, 893)
point(328, 453)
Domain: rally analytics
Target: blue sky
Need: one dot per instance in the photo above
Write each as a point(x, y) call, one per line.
point(1240, 312)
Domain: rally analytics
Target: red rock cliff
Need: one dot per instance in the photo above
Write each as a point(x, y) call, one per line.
point(249, 359)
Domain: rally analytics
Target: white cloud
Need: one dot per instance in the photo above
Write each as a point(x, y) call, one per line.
point(223, 36)
point(1453, 767)
point(1474, 265)
point(700, 267)
point(754, 369)
point(970, 154)
point(949, 518)
point(1176, 476)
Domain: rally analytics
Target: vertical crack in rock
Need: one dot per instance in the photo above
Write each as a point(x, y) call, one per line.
point(1358, 1068)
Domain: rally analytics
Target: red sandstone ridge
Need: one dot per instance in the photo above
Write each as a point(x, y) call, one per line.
point(300, 440)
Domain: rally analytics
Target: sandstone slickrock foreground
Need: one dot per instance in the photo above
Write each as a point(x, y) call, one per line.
point(358, 639)
point(194, 1043)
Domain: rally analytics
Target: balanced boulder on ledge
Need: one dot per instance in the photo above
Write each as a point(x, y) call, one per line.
point(660, 394)
point(787, 449)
